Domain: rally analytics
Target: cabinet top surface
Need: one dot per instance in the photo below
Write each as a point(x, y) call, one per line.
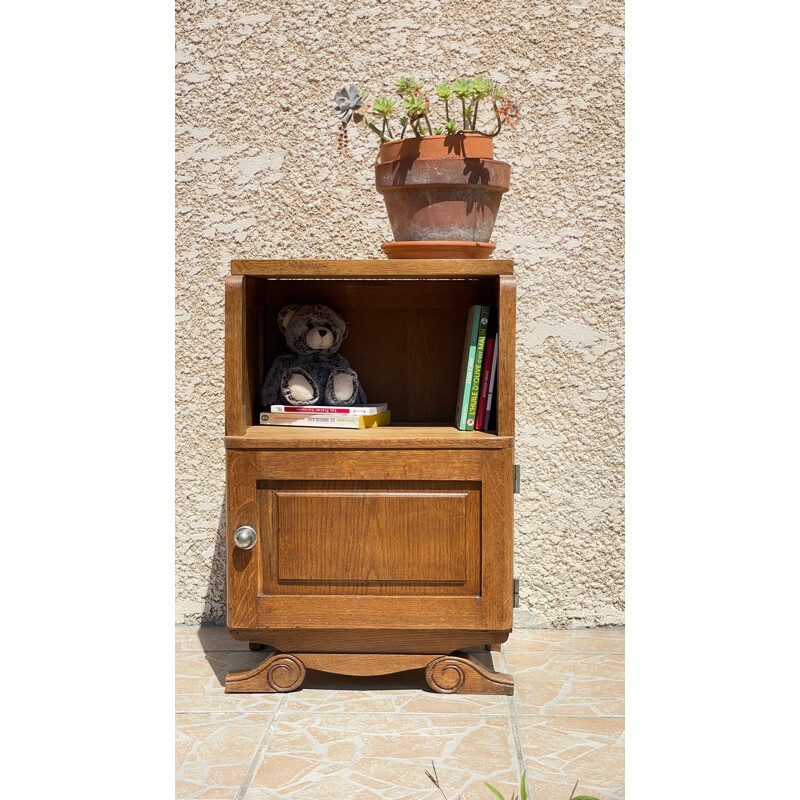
point(371, 268)
point(391, 437)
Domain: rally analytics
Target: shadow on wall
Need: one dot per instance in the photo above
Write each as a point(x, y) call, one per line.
point(213, 612)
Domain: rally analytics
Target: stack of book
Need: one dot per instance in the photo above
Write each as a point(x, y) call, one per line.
point(476, 386)
point(368, 416)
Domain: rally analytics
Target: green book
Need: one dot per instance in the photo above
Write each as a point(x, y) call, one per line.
point(467, 366)
point(475, 385)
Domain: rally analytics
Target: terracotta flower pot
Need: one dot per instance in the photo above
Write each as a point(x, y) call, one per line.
point(442, 194)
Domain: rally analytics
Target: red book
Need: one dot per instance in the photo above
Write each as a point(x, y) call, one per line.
point(486, 374)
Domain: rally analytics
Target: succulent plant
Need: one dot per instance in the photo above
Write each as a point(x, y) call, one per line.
point(444, 91)
point(404, 85)
point(348, 101)
point(462, 88)
point(416, 109)
point(384, 106)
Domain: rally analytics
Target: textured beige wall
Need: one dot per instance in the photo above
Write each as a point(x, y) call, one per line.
point(259, 175)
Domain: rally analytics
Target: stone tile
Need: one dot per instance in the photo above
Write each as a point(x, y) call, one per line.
point(200, 682)
point(214, 752)
point(569, 641)
point(384, 756)
point(569, 684)
point(206, 637)
point(561, 750)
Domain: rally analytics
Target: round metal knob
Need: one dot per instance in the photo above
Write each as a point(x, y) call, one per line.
point(245, 537)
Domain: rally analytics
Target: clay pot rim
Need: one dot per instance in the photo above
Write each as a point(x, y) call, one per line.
point(470, 134)
point(426, 142)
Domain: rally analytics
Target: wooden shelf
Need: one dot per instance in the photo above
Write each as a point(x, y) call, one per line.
point(391, 437)
point(374, 268)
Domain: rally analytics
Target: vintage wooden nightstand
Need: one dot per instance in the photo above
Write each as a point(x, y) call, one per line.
point(366, 552)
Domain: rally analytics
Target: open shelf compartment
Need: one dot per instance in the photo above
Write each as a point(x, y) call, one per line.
point(405, 342)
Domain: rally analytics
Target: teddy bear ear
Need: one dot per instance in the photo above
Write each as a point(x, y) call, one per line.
point(346, 331)
point(285, 316)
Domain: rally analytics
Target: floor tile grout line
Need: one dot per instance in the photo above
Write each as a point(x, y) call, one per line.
point(259, 754)
point(400, 712)
point(512, 707)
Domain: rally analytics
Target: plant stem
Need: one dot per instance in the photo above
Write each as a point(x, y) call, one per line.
point(499, 122)
point(475, 116)
point(428, 123)
point(464, 112)
point(494, 132)
point(372, 127)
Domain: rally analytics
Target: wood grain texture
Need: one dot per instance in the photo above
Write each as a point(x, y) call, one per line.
point(405, 336)
point(279, 605)
point(281, 672)
point(236, 420)
point(369, 268)
point(461, 674)
point(242, 565)
point(244, 352)
point(370, 537)
point(456, 673)
point(390, 542)
point(375, 640)
point(390, 437)
point(364, 664)
point(367, 465)
point(507, 303)
point(497, 531)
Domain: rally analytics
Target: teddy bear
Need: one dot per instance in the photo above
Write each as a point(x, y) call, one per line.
point(314, 372)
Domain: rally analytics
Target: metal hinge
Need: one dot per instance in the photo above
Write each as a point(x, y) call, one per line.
point(516, 592)
point(516, 478)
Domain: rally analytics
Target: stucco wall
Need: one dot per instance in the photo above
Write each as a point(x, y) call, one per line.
point(259, 174)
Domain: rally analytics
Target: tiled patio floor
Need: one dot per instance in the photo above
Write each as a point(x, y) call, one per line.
point(342, 738)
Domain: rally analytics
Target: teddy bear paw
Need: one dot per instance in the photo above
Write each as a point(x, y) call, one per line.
point(342, 387)
point(298, 387)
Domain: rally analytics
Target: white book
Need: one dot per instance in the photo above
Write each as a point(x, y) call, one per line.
point(325, 420)
point(375, 408)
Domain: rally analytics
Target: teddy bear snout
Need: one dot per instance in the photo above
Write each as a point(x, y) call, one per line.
point(319, 338)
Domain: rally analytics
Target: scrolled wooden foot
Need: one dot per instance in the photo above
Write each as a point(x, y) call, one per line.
point(459, 674)
point(282, 672)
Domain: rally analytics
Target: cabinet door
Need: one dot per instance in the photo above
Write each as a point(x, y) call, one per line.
point(371, 539)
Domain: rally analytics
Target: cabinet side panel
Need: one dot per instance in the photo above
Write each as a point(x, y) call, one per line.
point(507, 302)
point(235, 404)
point(254, 374)
point(498, 538)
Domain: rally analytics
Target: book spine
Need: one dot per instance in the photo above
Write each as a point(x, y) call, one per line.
point(346, 410)
point(467, 363)
point(325, 420)
point(480, 416)
point(492, 382)
point(475, 385)
point(311, 420)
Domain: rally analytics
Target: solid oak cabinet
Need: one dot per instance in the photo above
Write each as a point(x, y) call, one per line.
point(371, 551)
